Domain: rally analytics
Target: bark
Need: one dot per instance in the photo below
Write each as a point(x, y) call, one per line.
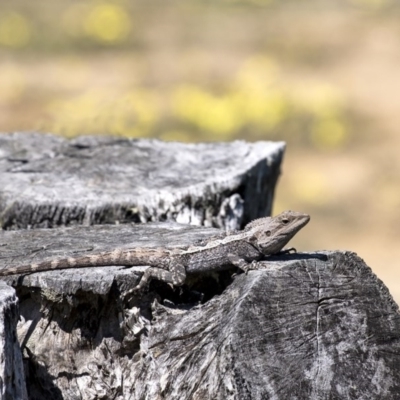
point(12, 377)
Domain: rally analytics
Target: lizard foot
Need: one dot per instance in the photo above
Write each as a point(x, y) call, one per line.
point(242, 264)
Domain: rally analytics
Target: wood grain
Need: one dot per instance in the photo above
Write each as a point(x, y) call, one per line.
point(47, 181)
point(303, 326)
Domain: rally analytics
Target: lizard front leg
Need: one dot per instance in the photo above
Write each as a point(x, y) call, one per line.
point(241, 263)
point(175, 274)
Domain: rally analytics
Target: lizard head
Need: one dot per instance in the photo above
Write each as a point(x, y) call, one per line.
point(270, 234)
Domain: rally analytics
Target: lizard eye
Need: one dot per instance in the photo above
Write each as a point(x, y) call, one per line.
point(268, 233)
point(285, 221)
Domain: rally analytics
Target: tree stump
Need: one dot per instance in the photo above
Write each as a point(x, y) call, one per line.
point(47, 181)
point(12, 377)
point(303, 326)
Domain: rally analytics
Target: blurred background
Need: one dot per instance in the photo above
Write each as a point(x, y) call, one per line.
point(322, 75)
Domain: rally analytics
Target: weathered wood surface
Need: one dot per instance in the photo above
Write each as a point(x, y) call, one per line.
point(37, 245)
point(12, 382)
point(304, 326)
point(47, 181)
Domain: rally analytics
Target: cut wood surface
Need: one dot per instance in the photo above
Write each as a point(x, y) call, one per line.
point(48, 181)
point(303, 326)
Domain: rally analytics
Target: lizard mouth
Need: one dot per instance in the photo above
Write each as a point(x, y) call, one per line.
point(285, 227)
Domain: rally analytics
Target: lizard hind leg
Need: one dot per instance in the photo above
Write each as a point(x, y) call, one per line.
point(176, 275)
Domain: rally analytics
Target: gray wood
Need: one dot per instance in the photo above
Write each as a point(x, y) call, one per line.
point(304, 326)
point(47, 181)
point(12, 382)
point(37, 245)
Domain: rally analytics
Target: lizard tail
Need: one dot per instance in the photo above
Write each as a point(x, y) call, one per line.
point(103, 259)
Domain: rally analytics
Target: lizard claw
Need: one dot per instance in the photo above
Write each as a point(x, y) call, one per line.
point(291, 250)
point(250, 266)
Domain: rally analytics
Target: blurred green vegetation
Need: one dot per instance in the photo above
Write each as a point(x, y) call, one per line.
point(96, 24)
point(254, 105)
point(252, 100)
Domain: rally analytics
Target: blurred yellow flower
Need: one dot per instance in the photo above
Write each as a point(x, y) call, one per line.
point(96, 111)
point(329, 133)
point(108, 23)
point(262, 110)
point(134, 114)
point(15, 30)
point(208, 112)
